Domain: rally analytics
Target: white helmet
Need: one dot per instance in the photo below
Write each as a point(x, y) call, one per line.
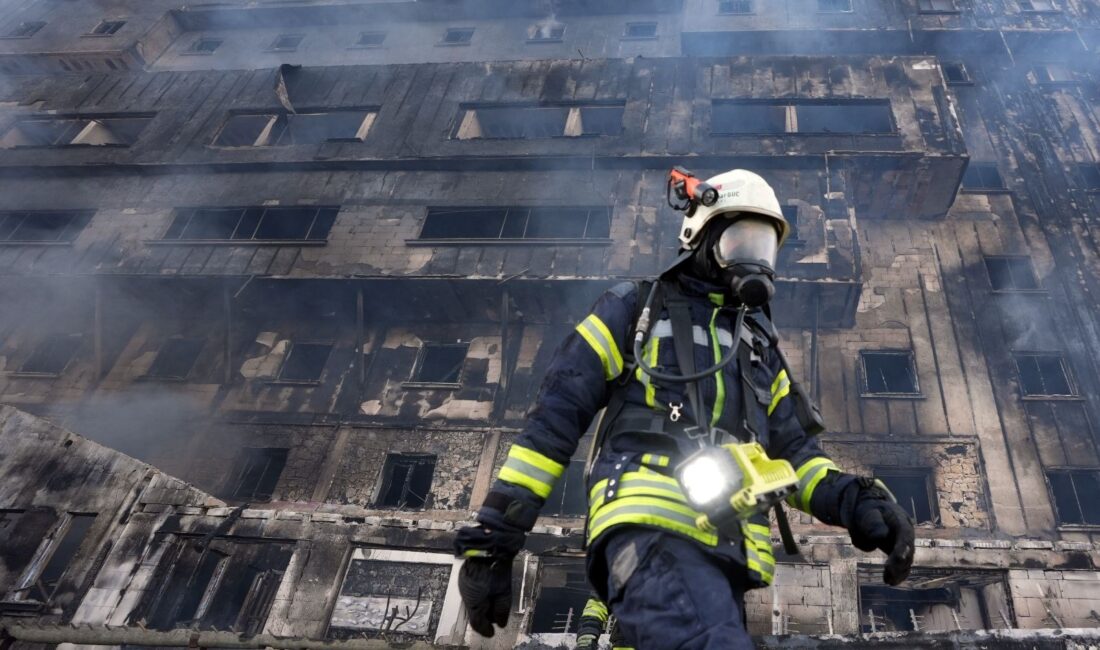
point(739, 190)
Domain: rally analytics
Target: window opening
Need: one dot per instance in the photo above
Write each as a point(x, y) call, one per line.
point(1011, 273)
point(52, 355)
point(440, 363)
point(406, 481)
point(401, 599)
point(834, 6)
point(39, 226)
point(982, 176)
point(1043, 374)
point(458, 36)
point(546, 32)
point(252, 224)
point(889, 373)
point(1038, 5)
point(175, 359)
point(517, 223)
point(937, 7)
point(521, 122)
point(735, 6)
point(932, 600)
point(305, 362)
point(26, 29)
point(562, 593)
point(21, 535)
point(790, 213)
point(640, 30)
point(286, 42)
point(257, 473)
point(371, 39)
point(107, 28)
point(205, 45)
point(762, 117)
point(1054, 73)
point(276, 129)
point(1075, 495)
point(955, 73)
point(1089, 174)
point(65, 549)
point(75, 131)
point(914, 490)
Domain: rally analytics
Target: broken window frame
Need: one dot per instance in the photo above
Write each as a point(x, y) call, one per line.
point(365, 40)
point(273, 459)
point(45, 342)
point(1073, 475)
point(106, 28)
point(839, 7)
point(251, 219)
point(640, 31)
point(926, 476)
point(468, 125)
point(203, 46)
point(791, 121)
point(597, 225)
point(461, 36)
point(791, 213)
point(13, 222)
point(572, 568)
point(29, 587)
point(1029, 7)
point(411, 462)
point(987, 175)
point(962, 76)
point(937, 7)
point(289, 358)
point(1054, 74)
point(736, 7)
point(77, 131)
point(1016, 267)
point(555, 28)
point(1066, 376)
point(276, 47)
point(415, 379)
point(281, 123)
point(865, 386)
point(26, 29)
point(159, 373)
point(977, 581)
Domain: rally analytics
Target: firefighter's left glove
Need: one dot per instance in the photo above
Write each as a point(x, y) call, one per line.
point(485, 580)
point(876, 521)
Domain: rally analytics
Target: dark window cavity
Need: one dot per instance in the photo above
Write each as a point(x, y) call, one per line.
point(982, 176)
point(1043, 374)
point(955, 73)
point(937, 7)
point(834, 6)
point(42, 226)
point(205, 45)
point(107, 28)
point(1054, 73)
point(26, 29)
point(525, 122)
point(1038, 5)
point(790, 213)
point(52, 355)
point(65, 547)
point(440, 363)
point(546, 32)
point(569, 499)
point(458, 36)
point(517, 223)
point(933, 599)
point(1011, 273)
point(406, 481)
point(286, 42)
point(275, 129)
point(889, 373)
point(175, 359)
point(75, 131)
point(1089, 173)
point(1075, 495)
point(305, 362)
point(914, 490)
point(735, 6)
point(370, 39)
point(640, 30)
point(764, 117)
point(256, 473)
point(401, 599)
point(21, 535)
point(252, 224)
point(561, 594)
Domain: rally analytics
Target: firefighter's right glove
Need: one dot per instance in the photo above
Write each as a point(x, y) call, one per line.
point(485, 579)
point(876, 521)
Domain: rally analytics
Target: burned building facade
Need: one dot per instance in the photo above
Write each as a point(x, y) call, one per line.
point(304, 263)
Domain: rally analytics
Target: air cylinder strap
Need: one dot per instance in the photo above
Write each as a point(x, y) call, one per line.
point(683, 340)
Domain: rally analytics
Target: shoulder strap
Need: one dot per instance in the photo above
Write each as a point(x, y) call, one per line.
point(683, 340)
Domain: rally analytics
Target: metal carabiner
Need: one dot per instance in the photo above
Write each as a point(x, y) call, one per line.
point(675, 415)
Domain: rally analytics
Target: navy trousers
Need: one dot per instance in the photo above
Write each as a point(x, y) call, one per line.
point(669, 593)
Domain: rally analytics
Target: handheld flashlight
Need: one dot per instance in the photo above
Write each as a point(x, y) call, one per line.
point(733, 482)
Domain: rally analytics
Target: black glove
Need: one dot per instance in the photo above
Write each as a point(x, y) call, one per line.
point(485, 579)
point(876, 521)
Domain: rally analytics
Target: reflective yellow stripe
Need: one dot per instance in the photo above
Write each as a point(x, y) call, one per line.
point(720, 384)
point(655, 459)
point(595, 609)
point(636, 484)
point(781, 387)
point(809, 474)
point(758, 550)
point(649, 511)
point(651, 359)
point(599, 338)
point(532, 470)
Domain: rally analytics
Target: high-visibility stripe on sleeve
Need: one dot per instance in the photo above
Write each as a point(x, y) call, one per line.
point(781, 387)
point(599, 338)
point(758, 550)
point(530, 469)
point(810, 474)
point(651, 359)
point(595, 608)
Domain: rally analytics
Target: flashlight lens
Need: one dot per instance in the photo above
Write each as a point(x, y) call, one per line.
point(710, 196)
point(703, 480)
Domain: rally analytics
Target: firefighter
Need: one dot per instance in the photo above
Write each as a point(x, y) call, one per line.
point(591, 625)
point(682, 365)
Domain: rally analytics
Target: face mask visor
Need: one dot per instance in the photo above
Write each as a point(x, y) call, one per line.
point(748, 240)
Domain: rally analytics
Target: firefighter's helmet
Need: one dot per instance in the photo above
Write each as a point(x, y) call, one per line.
point(739, 191)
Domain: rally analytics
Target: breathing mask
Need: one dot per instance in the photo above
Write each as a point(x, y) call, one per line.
point(746, 250)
